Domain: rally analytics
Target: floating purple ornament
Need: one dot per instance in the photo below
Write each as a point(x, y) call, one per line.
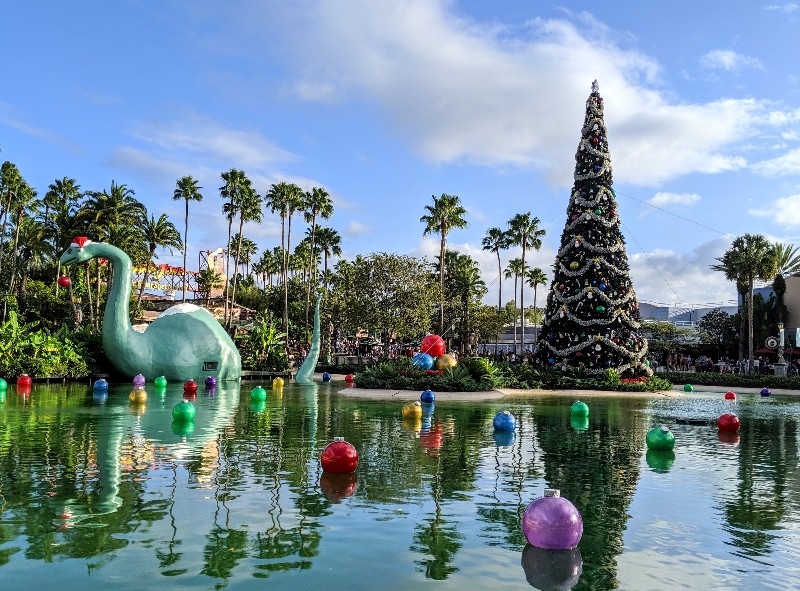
point(552, 522)
point(211, 381)
point(138, 381)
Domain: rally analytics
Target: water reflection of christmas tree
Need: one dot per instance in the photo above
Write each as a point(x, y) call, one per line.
point(592, 316)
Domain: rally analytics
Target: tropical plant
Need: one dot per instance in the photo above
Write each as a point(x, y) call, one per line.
point(445, 214)
point(186, 188)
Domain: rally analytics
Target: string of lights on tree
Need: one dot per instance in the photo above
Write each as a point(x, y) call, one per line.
point(592, 315)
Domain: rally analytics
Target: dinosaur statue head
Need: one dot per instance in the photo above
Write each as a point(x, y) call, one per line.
point(77, 253)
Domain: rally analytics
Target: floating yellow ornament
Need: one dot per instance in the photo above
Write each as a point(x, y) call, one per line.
point(138, 396)
point(412, 410)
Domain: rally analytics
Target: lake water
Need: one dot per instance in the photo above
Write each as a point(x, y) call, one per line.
point(96, 493)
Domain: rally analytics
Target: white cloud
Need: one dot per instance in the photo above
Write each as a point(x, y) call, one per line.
point(783, 212)
point(355, 228)
point(662, 199)
point(788, 8)
point(730, 61)
point(787, 164)
point(202, 136)
point(466, 92)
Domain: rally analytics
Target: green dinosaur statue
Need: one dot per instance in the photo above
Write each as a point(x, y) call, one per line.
point(184, 342)
point(305, 375)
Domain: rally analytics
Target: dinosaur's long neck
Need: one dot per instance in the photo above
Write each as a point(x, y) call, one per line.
point(116, 318)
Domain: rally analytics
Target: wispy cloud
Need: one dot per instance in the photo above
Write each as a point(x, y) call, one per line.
point(730, 61)
point(355, 229)
point(784, 212)
point(788, 8)
point(662, 199)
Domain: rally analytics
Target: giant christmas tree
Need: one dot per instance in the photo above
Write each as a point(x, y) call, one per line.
point(592, 316)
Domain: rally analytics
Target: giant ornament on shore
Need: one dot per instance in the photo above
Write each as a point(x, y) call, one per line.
point(433, 345)
point(422, 361)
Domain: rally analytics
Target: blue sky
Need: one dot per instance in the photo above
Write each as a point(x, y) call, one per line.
point(388, 102)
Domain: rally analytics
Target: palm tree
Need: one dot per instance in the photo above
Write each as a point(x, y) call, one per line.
point(10, 182)
point(514, 269)
point(249, 211)
point(524, 231)
point(464, 283)
point(750, 257)
point(283, 198)
point(186, 188)
point(236, 184)
point(62, 203)
point(445, 213)
point(535, 277)
point(330, 243)
point(114, 216)
point(24, 199)
point(317, 204)
point(787, 259)
point(157, 233)
point(496, 240)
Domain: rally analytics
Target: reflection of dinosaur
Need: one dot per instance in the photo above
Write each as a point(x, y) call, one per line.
point(184, 342)
point(305, 375)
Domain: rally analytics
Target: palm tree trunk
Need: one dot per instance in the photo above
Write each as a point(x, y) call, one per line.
point(522, 305)
point(285, 281)
point(311, 263)
point(441, 281)
point(227, 274)
point(750, 355)
point(499, 295)
point(185, 247)
point(535, 332)
point(235, 273)
point(516, 291)
point(89, 295)
point(144, 280)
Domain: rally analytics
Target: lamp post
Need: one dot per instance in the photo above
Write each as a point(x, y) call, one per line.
point(780, 366)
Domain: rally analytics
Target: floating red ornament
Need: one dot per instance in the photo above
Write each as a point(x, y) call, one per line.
point(728, 422)
point(339, 457)
point(64, 281)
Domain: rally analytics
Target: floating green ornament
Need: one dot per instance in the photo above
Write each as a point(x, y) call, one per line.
point(579, 409)
point(660, 439)
point(258, 393)
point(184, 411)
point(160, 382)
point(688, 388)
point(3, 385)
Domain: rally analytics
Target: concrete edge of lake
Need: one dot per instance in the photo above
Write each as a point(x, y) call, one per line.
point(676, 392)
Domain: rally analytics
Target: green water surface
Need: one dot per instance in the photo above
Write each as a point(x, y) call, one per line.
point(96, 493)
